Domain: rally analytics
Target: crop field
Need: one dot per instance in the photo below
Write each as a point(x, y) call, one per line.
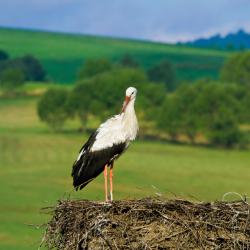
point(63, 54)
point(36, 165)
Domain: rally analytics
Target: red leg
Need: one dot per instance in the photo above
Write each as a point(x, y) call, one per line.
point(111, 181)
point(106, 182)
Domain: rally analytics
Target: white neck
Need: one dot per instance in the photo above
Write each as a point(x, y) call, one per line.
point(130, 107)
point(130, 120)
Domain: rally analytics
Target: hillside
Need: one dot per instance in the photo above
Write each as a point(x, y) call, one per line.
point(62, 54)
point(238, 40)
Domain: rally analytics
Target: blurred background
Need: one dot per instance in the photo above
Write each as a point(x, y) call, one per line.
point(64, 67)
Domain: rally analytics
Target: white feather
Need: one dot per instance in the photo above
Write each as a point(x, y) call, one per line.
point(121, 128)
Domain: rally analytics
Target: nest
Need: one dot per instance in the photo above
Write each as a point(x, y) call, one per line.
point(148, 224)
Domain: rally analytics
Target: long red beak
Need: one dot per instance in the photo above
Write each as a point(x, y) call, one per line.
point(125, 104)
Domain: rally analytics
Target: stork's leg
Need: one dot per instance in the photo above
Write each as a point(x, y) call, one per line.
point(106, 182)
point(111, 180)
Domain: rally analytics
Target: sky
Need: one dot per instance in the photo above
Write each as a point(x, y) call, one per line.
point(156, 20)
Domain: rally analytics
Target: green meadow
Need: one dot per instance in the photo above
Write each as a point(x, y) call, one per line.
point(36, 165)
point(63, 54)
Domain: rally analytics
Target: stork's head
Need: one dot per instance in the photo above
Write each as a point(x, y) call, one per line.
point(130, 95)
point(131, 92)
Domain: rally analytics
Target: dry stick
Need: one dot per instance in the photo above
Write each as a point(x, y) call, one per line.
point(174, 235)
point(247, 221)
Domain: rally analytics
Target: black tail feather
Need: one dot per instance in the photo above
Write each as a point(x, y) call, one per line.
point(91, 164)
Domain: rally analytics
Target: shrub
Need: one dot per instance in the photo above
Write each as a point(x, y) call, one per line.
point(79, 101)
point(94, 67)
point(10, 79)
point(29, 65)
point(236, 69)
point(169, 117)
point(224, 131)
point(33, 69)
point(52, 108)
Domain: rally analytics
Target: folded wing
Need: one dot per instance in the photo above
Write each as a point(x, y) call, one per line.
point(102, 147)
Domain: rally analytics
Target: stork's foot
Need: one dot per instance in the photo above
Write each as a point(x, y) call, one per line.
point(110, 197)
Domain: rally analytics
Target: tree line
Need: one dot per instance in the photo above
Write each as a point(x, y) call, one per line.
point(213, 109)
point(100, 96)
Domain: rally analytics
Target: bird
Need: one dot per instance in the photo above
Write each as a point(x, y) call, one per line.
point(105, 145)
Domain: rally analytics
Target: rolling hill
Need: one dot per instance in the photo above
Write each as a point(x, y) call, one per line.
point(63, 54)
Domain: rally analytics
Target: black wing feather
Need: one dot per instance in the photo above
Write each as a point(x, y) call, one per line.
point(91, 164)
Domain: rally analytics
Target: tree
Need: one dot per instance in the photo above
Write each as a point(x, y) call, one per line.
point(211, 99)
point(212, 109)
point(169, 117)
point(31, 67)
point(163, 72)
point(178, 115)
point(93, 67)
point(188, 119)
point(128, 61)
point(230, 47)
point(216, 112)
point(79, 102)
point(51, 108)
point(10, 79)
point(3, 55)
point(150, 100)
point(224, 131)
point(236, 69)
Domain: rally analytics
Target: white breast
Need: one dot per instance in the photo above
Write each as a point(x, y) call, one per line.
point(118, 129)
point(109, 133)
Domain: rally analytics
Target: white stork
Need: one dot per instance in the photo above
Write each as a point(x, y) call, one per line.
point(105, 145)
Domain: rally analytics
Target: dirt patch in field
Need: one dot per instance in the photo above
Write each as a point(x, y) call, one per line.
point(148, 224)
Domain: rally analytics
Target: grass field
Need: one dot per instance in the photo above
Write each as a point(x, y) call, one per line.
point(36, 164)
point(63, 54)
